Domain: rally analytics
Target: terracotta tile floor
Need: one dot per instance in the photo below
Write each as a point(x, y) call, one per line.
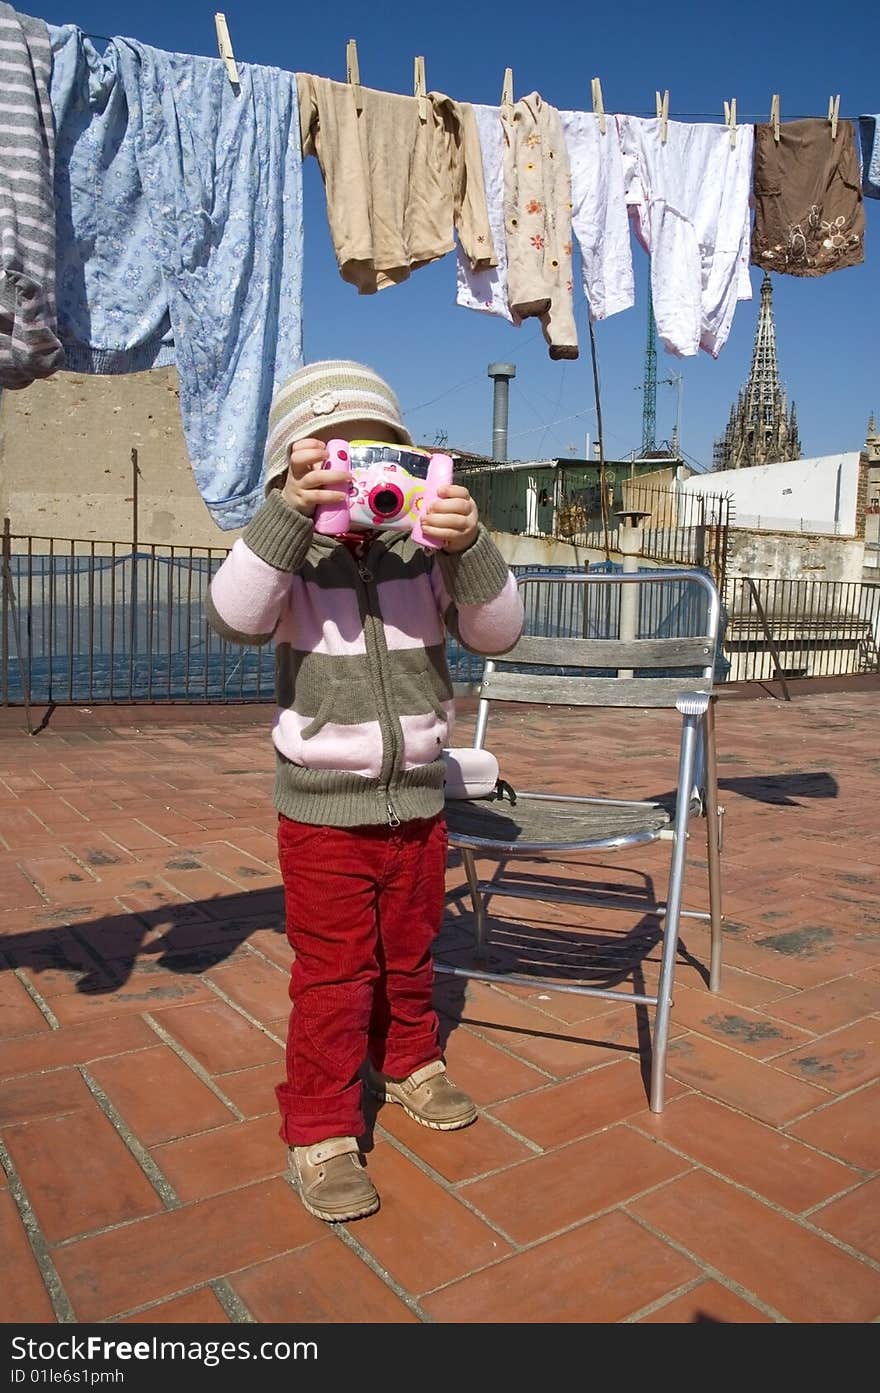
point(142, 1015)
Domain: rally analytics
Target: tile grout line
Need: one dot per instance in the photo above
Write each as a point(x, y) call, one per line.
point(159, 1181)
point(801, 1220)
point(636, 1317)
point(61, 1304)
point(228, 1299)
point(231, 1302)
point(240, 1010)
point(709, 1270)
point(192, 1064)
point(351, 1242)
point(36, 997)
point(449, 1188)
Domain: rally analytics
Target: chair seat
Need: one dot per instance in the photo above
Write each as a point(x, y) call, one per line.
point(548, 824)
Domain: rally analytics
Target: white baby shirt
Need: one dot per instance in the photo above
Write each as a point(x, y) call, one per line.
point(689, 202)
point(598, 215)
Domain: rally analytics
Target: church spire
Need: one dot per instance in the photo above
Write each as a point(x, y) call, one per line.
point(760, 431)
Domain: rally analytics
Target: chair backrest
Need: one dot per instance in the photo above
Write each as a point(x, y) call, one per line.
point(608, 639)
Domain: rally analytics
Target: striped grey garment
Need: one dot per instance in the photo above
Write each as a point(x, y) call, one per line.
point(29, 346)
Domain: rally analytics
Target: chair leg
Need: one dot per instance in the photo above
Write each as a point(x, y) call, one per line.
point(673, 914)
point(479, 904)
point(713, 850)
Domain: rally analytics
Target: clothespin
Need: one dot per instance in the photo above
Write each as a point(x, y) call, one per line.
point(774, 115)
point(598, 104)
point(507, 91)
point(224, 44)
point(663, 114)
point(834, 114)
point(419, 89)
point(730, 120)
point(353, 72)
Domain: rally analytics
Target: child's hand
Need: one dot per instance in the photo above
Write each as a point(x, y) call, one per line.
point(452, 518)
point(308, 483)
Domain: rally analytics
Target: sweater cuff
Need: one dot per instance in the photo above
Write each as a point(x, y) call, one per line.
point(279, 535)
point(476, 575)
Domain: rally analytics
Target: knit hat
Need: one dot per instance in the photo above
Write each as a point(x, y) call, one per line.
point(327, 394)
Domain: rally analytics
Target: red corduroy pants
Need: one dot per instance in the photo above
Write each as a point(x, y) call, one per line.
point(364, 905)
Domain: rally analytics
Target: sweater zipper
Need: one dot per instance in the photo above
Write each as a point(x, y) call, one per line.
point(366, 576)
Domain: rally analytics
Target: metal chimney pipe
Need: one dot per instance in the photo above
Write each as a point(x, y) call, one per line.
point(501, 373)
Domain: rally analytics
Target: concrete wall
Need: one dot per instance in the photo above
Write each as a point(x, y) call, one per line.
point(783, 556)
point(820, 493)
point(65, 461)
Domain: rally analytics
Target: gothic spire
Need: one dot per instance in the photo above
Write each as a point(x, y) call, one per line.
point(760, 432)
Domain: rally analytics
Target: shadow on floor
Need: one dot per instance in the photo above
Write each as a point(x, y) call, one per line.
point(786, 790)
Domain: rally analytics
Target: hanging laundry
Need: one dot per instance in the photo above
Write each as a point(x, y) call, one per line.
point(112, 301)
point(689, 205)
point(809, 213)
point(179, 204)
point(869, 133)
point(397, 187)
point(598, 217)
point(537, 205)
point(29, 345)
point(487, 290)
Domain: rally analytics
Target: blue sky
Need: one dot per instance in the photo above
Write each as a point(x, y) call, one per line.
point(434, 352)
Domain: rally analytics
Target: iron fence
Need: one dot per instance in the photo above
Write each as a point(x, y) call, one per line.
point(801, 628)
point(88, 622)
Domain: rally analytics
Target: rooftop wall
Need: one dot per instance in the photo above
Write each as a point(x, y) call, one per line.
point(810, 495)
point(65, 461)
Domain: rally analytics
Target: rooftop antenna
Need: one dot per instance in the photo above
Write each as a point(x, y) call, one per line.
point(649, 390)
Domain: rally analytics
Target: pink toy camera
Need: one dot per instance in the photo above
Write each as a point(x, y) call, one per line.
point(389, 486)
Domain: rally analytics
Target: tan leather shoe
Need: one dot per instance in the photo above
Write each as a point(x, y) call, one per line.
point(332, 1180)
point(428, 1095)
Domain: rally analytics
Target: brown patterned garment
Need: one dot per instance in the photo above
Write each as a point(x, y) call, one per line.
point(809, 214)
point(537, 221)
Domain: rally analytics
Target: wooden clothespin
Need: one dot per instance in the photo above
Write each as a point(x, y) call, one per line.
point(598, 104)
point(774, 115)
point(834, 114)
point(663, 114)
point(730, 120)
point(507, 92)
point(224, 44)
point(353, 72)
point(419, 88)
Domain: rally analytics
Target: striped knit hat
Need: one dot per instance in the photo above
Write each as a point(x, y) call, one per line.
point(327, 394)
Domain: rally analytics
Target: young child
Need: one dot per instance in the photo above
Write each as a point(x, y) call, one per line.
point(364, 709)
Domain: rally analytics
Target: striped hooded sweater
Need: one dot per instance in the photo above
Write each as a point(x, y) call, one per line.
point(364, 702)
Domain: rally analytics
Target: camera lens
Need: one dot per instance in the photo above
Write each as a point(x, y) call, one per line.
point(386, 500)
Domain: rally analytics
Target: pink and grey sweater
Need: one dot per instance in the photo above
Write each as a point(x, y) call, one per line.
point(363, 690)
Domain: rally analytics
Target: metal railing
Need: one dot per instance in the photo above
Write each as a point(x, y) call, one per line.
point(90, 622)
point(801, 628)
point(95, 622)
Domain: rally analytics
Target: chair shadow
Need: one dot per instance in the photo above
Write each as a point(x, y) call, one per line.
point(785, 790)
point(191, 937)
point(558, 953)
point(782, 790)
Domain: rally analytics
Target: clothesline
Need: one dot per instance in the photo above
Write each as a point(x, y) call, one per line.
point(744, 118)
point(147, 256)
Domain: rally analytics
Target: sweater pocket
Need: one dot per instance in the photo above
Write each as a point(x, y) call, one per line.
point(324, 741)
point(424, 709)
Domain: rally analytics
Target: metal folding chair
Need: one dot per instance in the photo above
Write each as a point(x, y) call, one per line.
point(577, 651)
